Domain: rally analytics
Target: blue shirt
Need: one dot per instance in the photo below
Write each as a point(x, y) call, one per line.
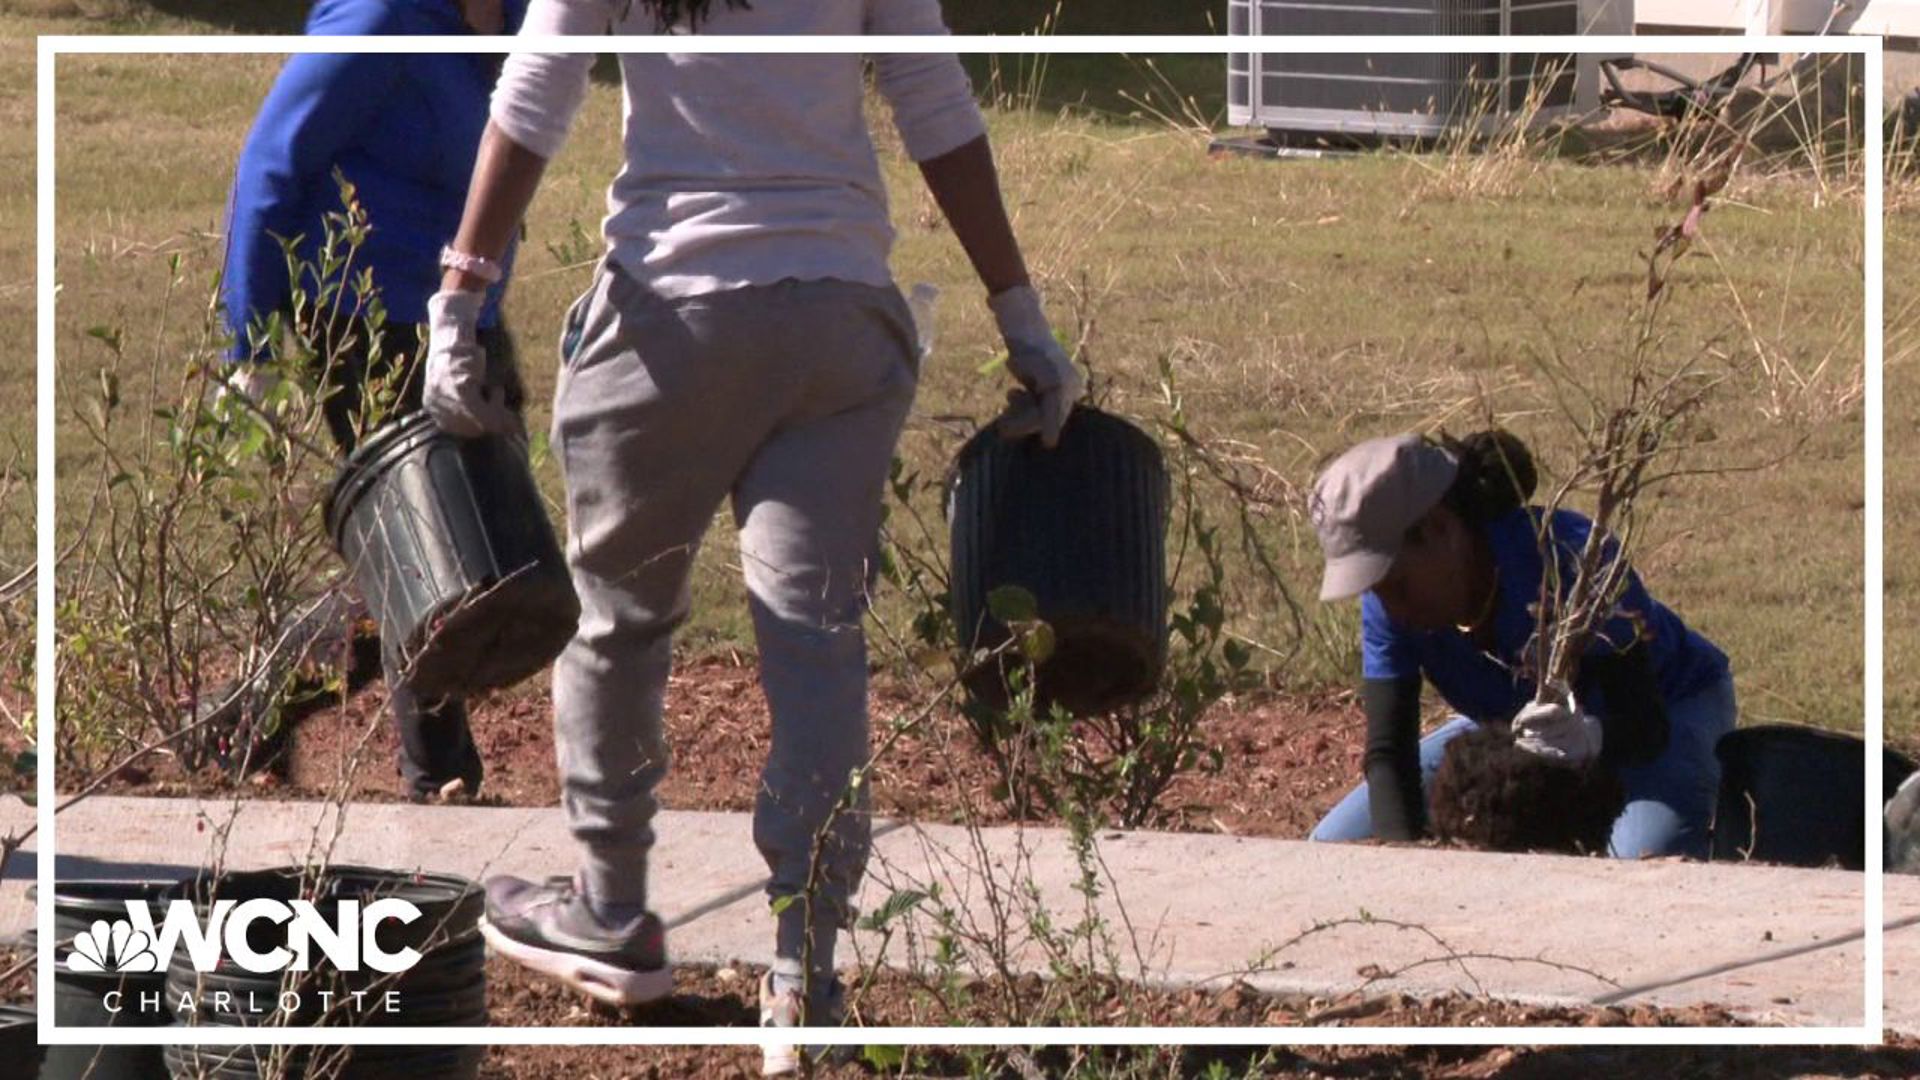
point(403, 129)
point(1491, 687)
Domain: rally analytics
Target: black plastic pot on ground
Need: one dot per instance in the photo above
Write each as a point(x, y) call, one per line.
point(446, 987)
point(1795, 795)
point(1082, 528)
point(129, 988)
point(19, 1041)
point(449, 543)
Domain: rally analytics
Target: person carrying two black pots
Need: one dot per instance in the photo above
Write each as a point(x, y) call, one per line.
point(743, 342)
point(404, 131)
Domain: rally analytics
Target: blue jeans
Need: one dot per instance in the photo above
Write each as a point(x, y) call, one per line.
point(1669, 800)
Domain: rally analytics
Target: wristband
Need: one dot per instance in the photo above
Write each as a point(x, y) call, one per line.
point(478, 265)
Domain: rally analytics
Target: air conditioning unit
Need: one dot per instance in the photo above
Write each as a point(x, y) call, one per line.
point(1380, 95)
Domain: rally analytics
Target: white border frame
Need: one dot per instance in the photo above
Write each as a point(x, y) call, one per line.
point(1871, 1032)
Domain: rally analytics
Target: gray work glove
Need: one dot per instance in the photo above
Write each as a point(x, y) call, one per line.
point(457, 391)
point(1050, 381)
point(1560, 733)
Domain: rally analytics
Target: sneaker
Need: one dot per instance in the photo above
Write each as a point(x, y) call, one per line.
point(782, 1009)
point(548, 928)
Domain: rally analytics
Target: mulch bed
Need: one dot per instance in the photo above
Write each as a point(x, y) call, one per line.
point(1285, 760)
point(726, 997)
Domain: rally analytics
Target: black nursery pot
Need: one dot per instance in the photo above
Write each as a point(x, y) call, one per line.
point(449, 542)
point(1082, 527)
point(446, 988)
point(1794, 795)
point(106, 999)
point(19, 1041)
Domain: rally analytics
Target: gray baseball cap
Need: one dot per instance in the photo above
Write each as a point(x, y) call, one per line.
point(1364, 503)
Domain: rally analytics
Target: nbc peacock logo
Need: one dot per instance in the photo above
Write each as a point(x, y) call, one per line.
point(115, 948)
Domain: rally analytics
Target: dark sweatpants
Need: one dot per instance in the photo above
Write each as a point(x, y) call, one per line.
point(436, 744)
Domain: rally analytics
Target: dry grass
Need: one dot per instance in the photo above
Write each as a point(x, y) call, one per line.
point(1301, 311)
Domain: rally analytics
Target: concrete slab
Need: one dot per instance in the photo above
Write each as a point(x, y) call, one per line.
point(1778, 944)
point(704, 859)
point(1902, 954)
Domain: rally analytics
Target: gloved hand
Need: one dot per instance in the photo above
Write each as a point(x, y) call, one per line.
point(1560, 733)
point(457, 391)
point(253, 382)
point(1050, 381)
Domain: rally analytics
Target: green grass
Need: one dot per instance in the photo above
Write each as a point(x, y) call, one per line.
point(16, 304)
point(1303, 305)
point(1902, 495)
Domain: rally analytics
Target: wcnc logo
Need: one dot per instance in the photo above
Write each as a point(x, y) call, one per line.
point(348, 940)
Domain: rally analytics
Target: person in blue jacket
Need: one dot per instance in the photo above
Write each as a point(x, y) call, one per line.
point(404, 131)
point(1438, 541)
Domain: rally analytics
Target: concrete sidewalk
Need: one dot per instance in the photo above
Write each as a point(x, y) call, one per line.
point(1779, 945)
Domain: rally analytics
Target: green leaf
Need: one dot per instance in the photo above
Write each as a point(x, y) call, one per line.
point(109, 335)
point(1237, 655)
point(782, 903)
point(896, 905)
point(1011, 604)
point(884, 1057)
point(1038, 642)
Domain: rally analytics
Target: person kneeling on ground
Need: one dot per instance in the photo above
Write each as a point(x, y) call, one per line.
point(1437, 540)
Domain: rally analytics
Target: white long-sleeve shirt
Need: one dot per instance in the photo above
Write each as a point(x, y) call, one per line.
point(745, 169)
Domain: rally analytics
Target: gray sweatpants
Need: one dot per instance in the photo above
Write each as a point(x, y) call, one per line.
point(787, 398)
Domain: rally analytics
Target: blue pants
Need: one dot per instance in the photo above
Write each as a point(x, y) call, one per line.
point(1669, 800)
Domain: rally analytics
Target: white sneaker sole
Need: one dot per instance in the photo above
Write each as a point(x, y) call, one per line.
point(602, 982)
point(780, 1061)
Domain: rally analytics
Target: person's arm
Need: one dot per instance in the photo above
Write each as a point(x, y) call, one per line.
point(1633, 724)
point(1396, 800)
point(943, 130)
point(533, 107)
point(505, 177)
point(1390, 695)
point(966, 186)
point(319, 104)
point(945, 134)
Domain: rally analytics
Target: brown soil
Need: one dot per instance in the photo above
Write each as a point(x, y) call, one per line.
point(1285, 761)
point(726, 997)
point(1278, 1062)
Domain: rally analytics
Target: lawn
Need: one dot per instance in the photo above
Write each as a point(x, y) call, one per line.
point(1301, 306)
point(17, 458)
point(16, 303)
point(1903, 464)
